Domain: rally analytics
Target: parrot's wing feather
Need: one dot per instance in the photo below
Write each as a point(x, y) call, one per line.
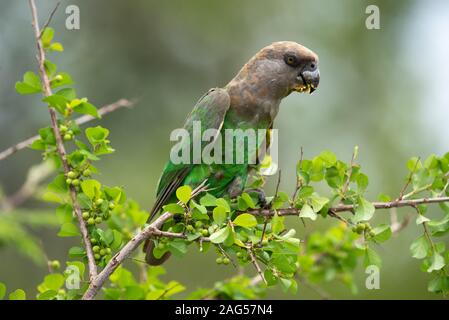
point(210, 111)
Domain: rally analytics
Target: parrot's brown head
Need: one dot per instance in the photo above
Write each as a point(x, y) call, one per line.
point(279, 69)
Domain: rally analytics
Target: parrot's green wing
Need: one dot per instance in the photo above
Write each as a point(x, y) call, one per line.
point(210, 111)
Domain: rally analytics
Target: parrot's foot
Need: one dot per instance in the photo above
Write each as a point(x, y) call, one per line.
point(261, 196)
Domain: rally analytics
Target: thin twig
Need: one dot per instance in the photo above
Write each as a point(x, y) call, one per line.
point(351, 207)
point(49, 19)
point(266, 218)
point(122, 103)
point(59, 144)
point(256, 265)
point(298, 182)
point(409, 180)
point(348, 180)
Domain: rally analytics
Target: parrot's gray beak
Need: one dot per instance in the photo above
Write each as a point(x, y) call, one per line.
point(310, 77)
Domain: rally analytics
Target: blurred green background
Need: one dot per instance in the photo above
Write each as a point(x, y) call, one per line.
point(384, 90)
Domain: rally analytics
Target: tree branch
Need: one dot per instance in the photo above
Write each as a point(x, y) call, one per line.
point(122, 103)
point(59, 144)
point(351, 207)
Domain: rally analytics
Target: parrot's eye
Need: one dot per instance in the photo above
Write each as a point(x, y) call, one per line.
point(291, 60)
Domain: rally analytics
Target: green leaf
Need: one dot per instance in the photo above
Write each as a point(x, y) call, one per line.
point(86, 108)
point(64, 213)
point(328, 157)
point(364, 210)
point(277, 224)
point(371, 258)
point(60, 80)
point(47, 295)
point(178, 247)
point(18, 294)
point(68, 230)
point(58, 102)
point(307, 212)
point(31, 84)
point(318, 202)
point(68, 93)
point(439, 284)
point(184, 193)
point(421, 219)
point(54, 281)
point(222, 202)
point(420, 247)
point(220, 235)
point(333, 177)
point(208, 200)
point(173, 208)
point(362, 182)
point(56, 46)
point(219, 215)
point(245, 220)
point(437, 262)
point(47, 36)
point(91, 187)
point(76, 252)
point(115, 245)
point(383, 233)
point(2, 290)
point(50, 68)
point(248, 200)
point(96, 134)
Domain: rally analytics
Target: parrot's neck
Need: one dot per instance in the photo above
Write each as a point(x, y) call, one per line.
point(255, 106)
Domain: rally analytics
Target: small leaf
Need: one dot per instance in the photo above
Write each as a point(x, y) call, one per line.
point(91, 187)
point(222, 202)
point(245, 220)
point(318, 202)
point(421, 219)
point(371, 258)
point(220, 235)
point(307, 212)
point(76, 252)
point(208, 200)
point(87, 108)
point(219, 215)
point(2, 290)
point(437, 262)
point(382, 233)
point(184, 193)
point(54, 281)
point(328, 157)
point(173, 208)
point(18, 294)
point(47, 295)
point(68, 230)
point(364, 210)
point(47, 36)
point(31, 84)
point(56, 46)
point(248, 200)
point(420, 247)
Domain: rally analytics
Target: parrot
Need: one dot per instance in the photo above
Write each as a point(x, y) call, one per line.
point(249, 101)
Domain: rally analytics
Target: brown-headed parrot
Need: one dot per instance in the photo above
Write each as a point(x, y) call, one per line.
point(249, 101)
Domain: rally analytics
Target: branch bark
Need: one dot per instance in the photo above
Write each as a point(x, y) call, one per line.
point(59, 143)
